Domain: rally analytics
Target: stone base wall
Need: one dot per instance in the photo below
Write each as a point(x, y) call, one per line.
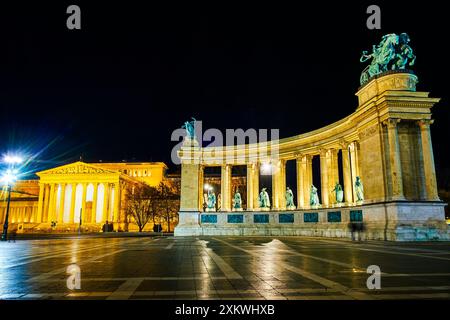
point(394, 221)
point(74, 227)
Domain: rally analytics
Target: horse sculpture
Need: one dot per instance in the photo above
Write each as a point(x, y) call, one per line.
point(381, 56)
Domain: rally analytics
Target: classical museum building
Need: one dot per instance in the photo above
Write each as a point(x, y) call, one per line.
point(86, 194)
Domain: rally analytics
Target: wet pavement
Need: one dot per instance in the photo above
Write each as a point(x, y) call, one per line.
point(223, 268)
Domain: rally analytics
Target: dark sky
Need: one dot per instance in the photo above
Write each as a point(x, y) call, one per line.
point(116, 89)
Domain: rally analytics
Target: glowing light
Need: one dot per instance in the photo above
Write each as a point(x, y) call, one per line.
point(266, 169)
point(12, 159)
point(8, 177)
point(208, 187)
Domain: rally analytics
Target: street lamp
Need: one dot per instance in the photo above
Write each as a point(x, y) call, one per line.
point(8, 178)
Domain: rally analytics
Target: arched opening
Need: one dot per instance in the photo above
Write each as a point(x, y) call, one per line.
point(238, 184)
point(316, 177)
point(265, 180)
point(291, 180)
point(212, 184)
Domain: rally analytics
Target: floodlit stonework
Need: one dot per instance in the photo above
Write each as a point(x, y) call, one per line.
point(86, 194)
point(386, 142)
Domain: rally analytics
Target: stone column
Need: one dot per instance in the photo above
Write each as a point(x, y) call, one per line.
point(225, 187)
point(250, 189)
point(300, 163)
point(32, 214)
point(35, 210)
point(307, 179)
point(276, 188)
point(256, 186)
point(394, 160)
point(428, 161)
point(324, 160)
point(356, 156)
point(282, 184)
point(72, 203)
point(122, 209)
point(61, 203)
point(46, 203)
point(278, 185)
point(105, 202)
point(116, 212)
point(346, 171)
point(52, 203)
point(353, 167)
point(94, 204)
point(83, 204)
point(40, 203)
point(201, 187)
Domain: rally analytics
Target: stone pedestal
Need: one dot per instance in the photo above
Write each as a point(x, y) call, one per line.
point(188, 224)
point(191, 189)
point(394, 221)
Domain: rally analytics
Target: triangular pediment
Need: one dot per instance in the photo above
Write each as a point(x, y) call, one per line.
point(77, 168)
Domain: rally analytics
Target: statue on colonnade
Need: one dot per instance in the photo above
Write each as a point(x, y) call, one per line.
point(313, 197)
point(338, 193)
point(264, 200)
point(359, 190)
point(392, 53)
point(290, 199)
point(190, 128)
point(211, 201)
point(237, 206)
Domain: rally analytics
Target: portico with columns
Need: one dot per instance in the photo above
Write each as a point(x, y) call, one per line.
point(81, 194)
point(386, 142)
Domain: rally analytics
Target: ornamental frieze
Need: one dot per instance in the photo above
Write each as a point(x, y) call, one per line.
point(79, 169)
point(369, 132)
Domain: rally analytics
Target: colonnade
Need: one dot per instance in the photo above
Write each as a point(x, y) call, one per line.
point(329, 169)
point(19, 213)
point(386, 141)
point(66, 202)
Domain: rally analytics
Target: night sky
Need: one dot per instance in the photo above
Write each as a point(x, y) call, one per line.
point(116, 89)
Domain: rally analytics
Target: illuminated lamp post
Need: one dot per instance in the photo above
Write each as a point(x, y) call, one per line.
point(8, 178)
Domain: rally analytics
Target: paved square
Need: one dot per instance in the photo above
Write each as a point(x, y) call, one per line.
point(223, 268)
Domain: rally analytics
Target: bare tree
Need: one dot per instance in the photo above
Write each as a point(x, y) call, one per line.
point(169, 202)
point(141, 204)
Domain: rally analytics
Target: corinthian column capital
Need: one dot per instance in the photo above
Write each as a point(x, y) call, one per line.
point(391, 122)
point(323, 152)
point(344, 144)
point(425, 124)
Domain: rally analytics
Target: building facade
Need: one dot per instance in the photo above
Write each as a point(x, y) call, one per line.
point(385, 144)
point(79, 195)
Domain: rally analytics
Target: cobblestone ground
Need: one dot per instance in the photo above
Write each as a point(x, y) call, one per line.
point(222, 268)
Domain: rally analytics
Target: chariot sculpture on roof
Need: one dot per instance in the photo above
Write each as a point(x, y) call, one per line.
point(392, 53)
